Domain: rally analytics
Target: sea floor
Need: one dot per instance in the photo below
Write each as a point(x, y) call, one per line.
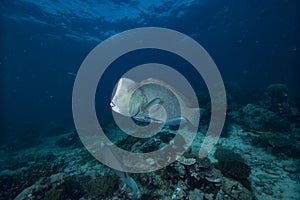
point(256, 157)
point(60, 169)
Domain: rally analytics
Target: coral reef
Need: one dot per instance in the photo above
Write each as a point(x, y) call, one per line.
point(259, 118)
point(235, 190)
point(224, 154)
point(71, 140)
point(280, 143)
point(26, 171)
point(275, 112)
point(186, 161)
point(102, 186)
point(198, 176)
point(232, 165)
point(56, 187)
point(277, 93)
point(273, 119)
point(257, 157)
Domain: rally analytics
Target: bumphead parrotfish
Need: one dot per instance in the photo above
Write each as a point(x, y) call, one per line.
point(153, 100)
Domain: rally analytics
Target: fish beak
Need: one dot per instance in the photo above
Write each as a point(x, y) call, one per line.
point(112, 104)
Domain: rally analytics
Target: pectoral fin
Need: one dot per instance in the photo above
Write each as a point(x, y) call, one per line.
point(176, 121)
point(153, 102)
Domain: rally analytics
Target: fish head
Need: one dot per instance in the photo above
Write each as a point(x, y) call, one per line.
point(128, 99)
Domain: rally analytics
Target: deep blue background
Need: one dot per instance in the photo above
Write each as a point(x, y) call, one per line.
point(254, 43)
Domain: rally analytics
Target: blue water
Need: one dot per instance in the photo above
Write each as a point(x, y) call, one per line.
point(253, 43)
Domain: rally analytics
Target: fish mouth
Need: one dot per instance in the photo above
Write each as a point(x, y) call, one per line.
point(112, 104)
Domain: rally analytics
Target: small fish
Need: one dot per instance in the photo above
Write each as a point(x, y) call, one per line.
point(153, 100)
point(71, 73)
point(114, 159)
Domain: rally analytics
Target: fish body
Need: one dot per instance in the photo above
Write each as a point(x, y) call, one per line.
point(153, 100)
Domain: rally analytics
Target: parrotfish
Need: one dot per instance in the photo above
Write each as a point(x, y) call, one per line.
point(152, 100)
